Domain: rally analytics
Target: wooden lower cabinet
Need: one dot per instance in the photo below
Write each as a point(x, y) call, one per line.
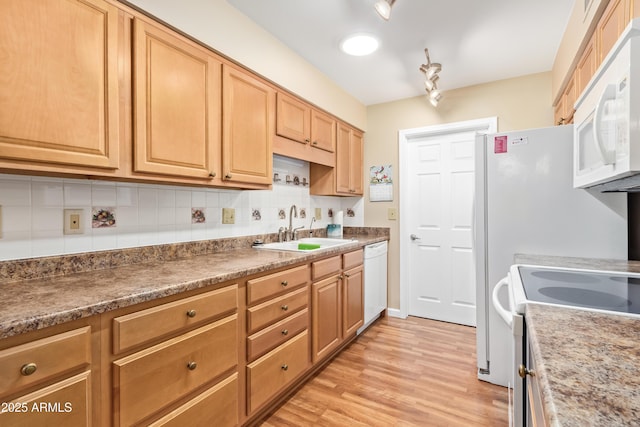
point(327, 317)
point(276, 370)
point(147, 381)
point(353, 297)
point(218, 406)
point(66, 403)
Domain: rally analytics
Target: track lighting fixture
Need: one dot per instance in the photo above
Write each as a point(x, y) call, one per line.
point(430, 71)
point(383, 7)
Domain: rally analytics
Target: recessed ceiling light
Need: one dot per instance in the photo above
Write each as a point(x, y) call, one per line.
point(359, 44)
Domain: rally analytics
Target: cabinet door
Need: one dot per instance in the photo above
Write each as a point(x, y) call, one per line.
point(570, 97)
point(177, 105)
point(343, 163)
point(293, 118)
point(356, 158)
point(327, 317)
point(353, 304)
point(323, 131)
point(586, 67)
point(558, 112)
point(248, 118)
point(59, 82)
point(613, 21)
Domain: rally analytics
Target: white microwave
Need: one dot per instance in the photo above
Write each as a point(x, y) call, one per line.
point(607, 120)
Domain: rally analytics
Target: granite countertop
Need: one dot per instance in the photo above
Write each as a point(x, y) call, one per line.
point(587, 363)
point(36, 303)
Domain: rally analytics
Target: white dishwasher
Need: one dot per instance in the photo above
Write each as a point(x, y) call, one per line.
point(375, 282)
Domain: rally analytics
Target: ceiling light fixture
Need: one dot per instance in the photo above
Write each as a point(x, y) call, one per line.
point(430, 71)
point(383, 7)
point(359, 44)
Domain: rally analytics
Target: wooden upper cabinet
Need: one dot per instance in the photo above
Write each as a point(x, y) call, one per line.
point(349, 161)
point(248, 106)
point(570, 96)
point(59, 82)
point(293, 118)
point(298, 121)
point(323, 131)
point(610, 27)
point(586, 67)
point(177, 105)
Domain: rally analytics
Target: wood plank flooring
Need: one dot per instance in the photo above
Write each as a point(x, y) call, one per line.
point(412, 372)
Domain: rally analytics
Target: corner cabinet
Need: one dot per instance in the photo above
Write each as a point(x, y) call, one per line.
point(59, 92)
point(177, 105)
point(248, 118)
point(346, 178)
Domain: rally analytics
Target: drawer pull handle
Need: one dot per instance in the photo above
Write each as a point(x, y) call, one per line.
point(28, 369)
point(284, 283)
point(285, 332)
point(285, 307)
point(191, 313)
point(192, 366)
point(285, 367)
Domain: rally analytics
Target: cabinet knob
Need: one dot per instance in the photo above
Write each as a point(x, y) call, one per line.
point(191, 313)
point(28, 369)
point(212, 175)
point(306, 140)
point(523, 372)
point(285, 367)
point(192, 366)
point(284, 283)
point(285, 307)
point(285, 332)
point(227, 176)
point(347, 275)
point(315, 142)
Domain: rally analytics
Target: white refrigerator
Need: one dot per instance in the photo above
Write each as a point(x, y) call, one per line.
point(525, 203)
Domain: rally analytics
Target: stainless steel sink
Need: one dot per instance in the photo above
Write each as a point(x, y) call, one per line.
point(294, 245)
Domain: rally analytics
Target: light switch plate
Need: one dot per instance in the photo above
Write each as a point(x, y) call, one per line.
point(73, 221)
point(318, 214)
point(228, 216)
point(392, 214)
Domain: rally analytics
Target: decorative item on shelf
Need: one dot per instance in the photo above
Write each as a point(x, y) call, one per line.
point(296, 180)
point(276, 177)
point(304, 181)
point(288, 179)
point(430, 71)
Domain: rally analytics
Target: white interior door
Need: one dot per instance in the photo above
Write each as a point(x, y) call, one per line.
point(440, 264)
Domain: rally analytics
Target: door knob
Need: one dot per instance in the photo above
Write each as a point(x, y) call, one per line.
point(414, 237)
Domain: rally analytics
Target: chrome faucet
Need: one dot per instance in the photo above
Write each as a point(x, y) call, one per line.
point(293, 211)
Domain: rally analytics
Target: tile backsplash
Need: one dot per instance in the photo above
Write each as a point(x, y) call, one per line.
point(149, 214)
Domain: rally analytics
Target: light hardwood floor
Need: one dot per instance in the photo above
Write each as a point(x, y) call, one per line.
point(413, 372)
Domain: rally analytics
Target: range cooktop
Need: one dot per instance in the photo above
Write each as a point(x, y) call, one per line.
point(599, 290)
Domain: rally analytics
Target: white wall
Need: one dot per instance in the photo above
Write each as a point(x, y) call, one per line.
point(148, 214)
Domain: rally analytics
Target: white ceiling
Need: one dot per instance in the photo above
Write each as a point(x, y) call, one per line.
point(476, 41)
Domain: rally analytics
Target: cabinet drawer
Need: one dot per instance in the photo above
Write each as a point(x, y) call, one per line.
point(326, 267)
point(49, 357)
point(352, 259)
point(271, 337)
point(276, 283)
point(146, 381)
point(273, 310)
point(146, 325)
point(277, 369)
point(66, 403)
point(217, 406)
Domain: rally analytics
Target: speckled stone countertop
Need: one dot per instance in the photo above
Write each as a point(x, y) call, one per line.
point(38, 293)
point(587, 363)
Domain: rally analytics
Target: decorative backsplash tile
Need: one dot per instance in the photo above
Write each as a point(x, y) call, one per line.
point(149, 214)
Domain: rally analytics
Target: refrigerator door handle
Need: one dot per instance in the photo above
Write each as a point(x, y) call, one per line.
point(506, 315)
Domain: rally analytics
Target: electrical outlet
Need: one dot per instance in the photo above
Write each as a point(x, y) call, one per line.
point(73, 223)
point(392, 214)
point(318, 214)
point(228, 216)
